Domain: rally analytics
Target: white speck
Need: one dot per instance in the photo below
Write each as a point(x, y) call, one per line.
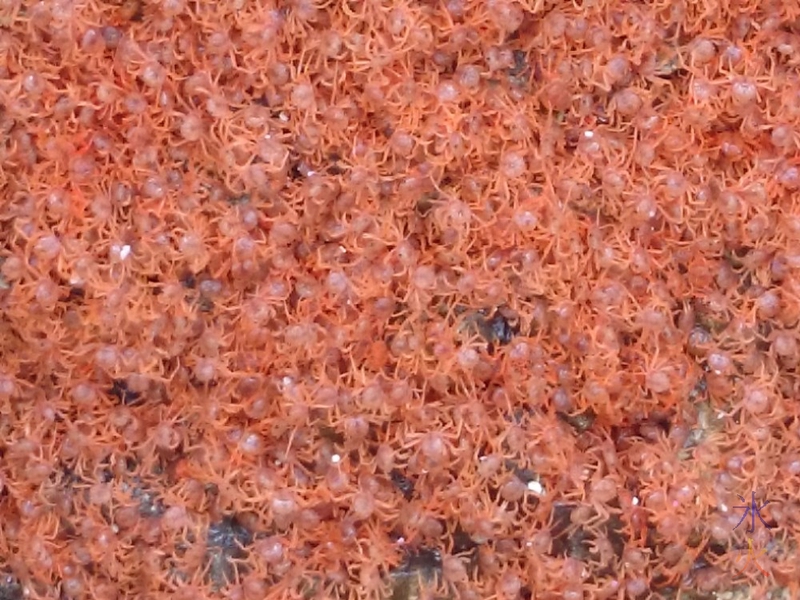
point(119, 252)
point(588, 134)
point(287, 381)
point(311, 173)
point(335, 459)
point(283, 117)
point(635, 501)
point(720, 415)
point(481, 458)
point(400, 541)
point(723, 507)
point(536, 488)
point(115, 528)
point(528, 544)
